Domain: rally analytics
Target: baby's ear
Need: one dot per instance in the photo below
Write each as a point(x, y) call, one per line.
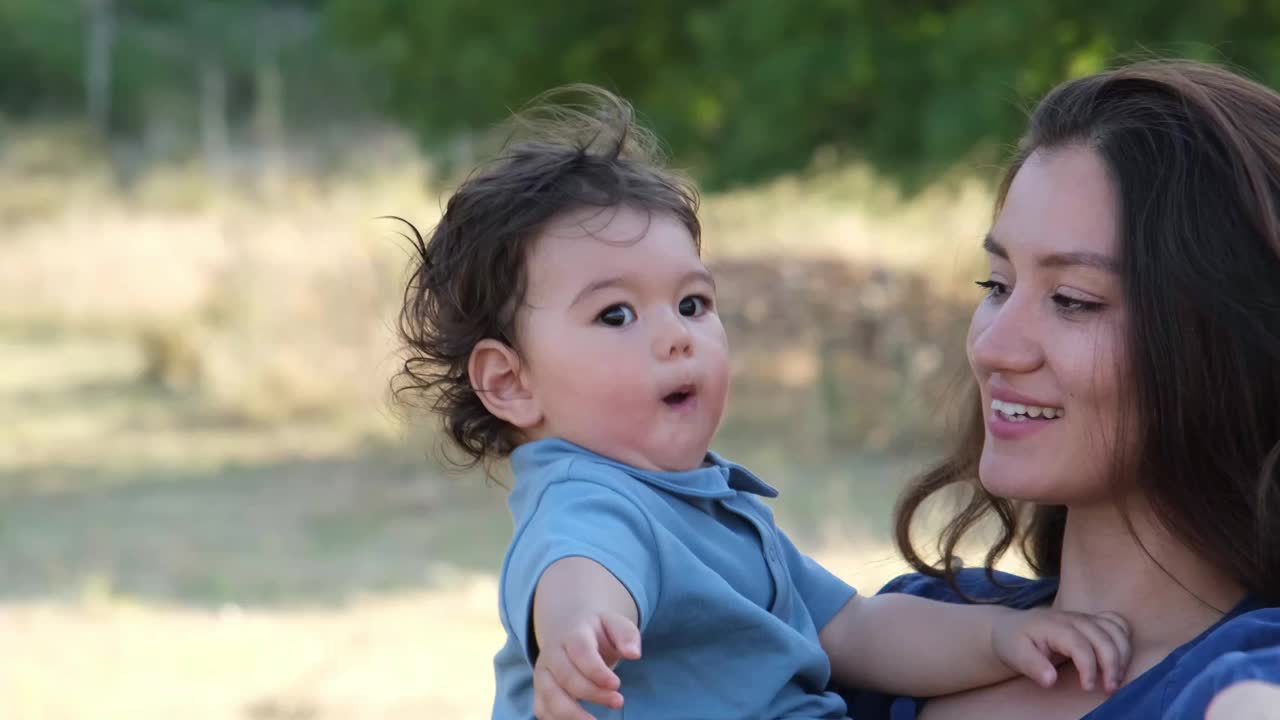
point(495, 373)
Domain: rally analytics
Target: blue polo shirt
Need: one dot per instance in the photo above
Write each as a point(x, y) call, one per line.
point(1177, 688)
point(729, 609)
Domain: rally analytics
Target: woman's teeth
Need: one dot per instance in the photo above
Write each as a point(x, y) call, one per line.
point(1019, 412)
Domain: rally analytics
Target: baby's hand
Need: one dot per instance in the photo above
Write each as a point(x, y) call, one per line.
point(579, 667)
point(1033, 642)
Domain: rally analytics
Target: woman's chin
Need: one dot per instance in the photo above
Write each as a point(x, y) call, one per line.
point(1009, 491)
point(1044, 480)
point(1013, 481)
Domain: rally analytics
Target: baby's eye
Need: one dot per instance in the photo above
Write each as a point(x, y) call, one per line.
point(617, 316)
point(694, 305)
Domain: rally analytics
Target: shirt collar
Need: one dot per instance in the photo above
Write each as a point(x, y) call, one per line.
point(717, 478)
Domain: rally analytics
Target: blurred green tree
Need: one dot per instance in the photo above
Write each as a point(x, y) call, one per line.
point(740, 90)
point(746, 89)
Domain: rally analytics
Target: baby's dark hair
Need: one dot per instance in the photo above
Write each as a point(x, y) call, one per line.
point(468, 276)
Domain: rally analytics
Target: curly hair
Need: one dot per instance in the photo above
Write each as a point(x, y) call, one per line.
point(468, 277)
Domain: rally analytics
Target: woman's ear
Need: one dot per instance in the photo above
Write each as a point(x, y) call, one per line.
point(496, 375)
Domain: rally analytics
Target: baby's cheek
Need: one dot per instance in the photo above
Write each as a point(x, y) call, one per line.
point(619, 391)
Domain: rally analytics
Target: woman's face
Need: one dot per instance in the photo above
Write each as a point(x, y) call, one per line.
point(1046, 342)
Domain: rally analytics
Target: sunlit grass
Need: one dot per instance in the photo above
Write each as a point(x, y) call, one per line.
point(405, 656)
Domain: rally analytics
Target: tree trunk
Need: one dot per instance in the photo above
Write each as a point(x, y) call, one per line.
point(99, 37)
point(214, 136)
point(268, 121)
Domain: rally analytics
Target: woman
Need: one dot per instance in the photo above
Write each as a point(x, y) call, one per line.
point(1126, 423)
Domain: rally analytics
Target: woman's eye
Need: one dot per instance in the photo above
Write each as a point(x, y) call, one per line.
point(994, 288)
point(694, 305)
point(617, 316)
point(1071, 304)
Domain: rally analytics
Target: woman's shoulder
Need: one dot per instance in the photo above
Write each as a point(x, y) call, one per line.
point(1251, 625)
point(1243, 647)
point(1248, 631)
point(977, 584)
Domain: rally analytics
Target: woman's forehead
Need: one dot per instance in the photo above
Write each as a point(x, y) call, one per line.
point(1060, 201)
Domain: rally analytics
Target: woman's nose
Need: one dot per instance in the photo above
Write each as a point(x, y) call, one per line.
point(1004, 338)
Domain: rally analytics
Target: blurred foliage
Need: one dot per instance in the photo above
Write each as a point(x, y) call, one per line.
point(740, 90)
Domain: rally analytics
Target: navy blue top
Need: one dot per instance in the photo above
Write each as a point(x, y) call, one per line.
point(1244, 644)
point(729, 609)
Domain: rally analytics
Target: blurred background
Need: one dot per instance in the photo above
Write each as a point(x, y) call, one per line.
point(209, 508)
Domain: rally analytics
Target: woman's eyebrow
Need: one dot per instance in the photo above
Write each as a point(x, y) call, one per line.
point(1057, 260)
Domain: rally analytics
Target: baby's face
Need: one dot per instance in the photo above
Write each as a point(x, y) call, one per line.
point(621, 340)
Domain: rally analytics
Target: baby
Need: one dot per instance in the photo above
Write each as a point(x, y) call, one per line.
point(560, 314)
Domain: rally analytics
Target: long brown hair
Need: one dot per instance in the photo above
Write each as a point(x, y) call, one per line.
point(1194, 153)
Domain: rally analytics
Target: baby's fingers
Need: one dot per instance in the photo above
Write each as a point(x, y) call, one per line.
point(1072, 641)
point(551, 702)
point(622, 635)
point(1032, 661)
point(1117, 631)
point(1112, 659)
point(587, 659)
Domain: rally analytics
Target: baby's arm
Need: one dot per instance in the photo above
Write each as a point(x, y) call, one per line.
point(578, 585)
point(584, 622)
point(907, 645)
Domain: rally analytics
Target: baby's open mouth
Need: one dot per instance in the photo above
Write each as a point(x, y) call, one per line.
point(680, 396)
